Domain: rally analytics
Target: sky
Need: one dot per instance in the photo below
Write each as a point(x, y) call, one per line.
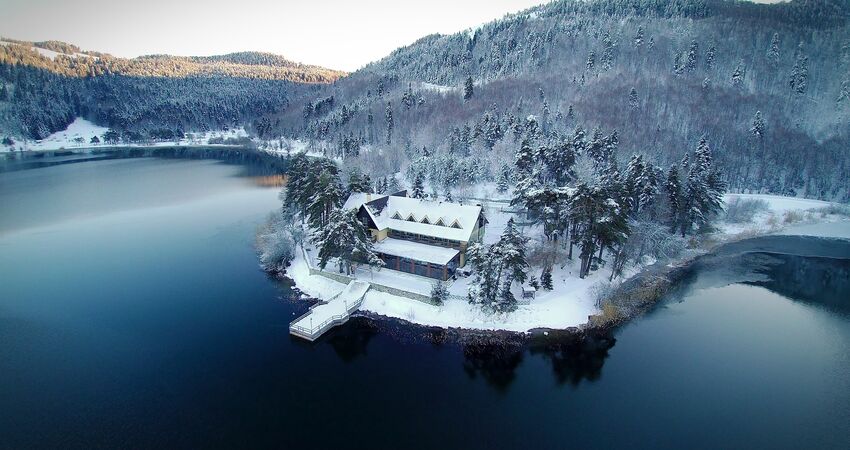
point(340, 34)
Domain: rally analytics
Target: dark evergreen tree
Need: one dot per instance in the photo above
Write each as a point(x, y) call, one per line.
point(468, 89)
point(327, 196)
point(546, 277)
point(798, 81)
point(345, 238)
point(389, 119)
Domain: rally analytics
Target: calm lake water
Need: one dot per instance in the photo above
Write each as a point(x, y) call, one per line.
point(133, 314)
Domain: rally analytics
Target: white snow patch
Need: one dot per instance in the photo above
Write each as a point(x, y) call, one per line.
point(438, 88)
point(80, 132)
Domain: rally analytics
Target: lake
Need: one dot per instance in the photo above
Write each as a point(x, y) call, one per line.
point(133, 314)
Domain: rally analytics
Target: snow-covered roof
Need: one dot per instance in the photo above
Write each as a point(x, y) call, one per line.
point(414, 250)
point(430, 218)
point(438, 219)
point(358, 198)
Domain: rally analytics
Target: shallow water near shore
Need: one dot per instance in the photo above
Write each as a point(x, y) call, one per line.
point(133, 313)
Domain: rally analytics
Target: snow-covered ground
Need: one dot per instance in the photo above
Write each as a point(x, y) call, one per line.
point(81, 131)
point(573, 299)
point(438, 88)
point(783, 215)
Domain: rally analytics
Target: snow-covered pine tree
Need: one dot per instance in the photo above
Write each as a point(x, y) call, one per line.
point(418, 188)
point(526, 157)
point(693, 56)
point(504, 180)
point(439, 293)
point(710, 56)
point(798, 81)
point(468, 89)
point(633, 99)
point(513, 246)
point(739, 74)
point(327, 196)
point(533, 282)
point(393, 185)
point(546, 277)
point(345, 238)
point(773, 51)
point(358, 182)
point(702, 196)
point(389, 119)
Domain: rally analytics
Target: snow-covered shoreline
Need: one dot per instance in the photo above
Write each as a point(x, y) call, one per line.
point(572, 302)
point(80, 133)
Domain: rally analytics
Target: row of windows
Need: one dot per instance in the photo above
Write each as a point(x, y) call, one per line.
point(440, 222)
point(424, 239)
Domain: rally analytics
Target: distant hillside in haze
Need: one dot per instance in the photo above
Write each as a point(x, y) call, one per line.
point(67, 59)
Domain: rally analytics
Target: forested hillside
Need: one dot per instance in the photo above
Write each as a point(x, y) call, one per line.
point(768, 86)
point(45, 85)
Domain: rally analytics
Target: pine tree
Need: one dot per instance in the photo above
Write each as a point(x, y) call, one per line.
point(702, 195)
point(546, 278)
point(512, 249)
point(674, 191)
point(468, 89)
point(449, 196)
point(358, 182)
point(389, 119)
point(4, 94)
point(392, 185)
point(327, 196)
point(638, 39)
point(525, 157)
point(693, 55)
point(504, 180)
point(739, 74)
point(439, 293)
point(773, 51)
point(591, 62)
point(633, 99)
point(798, 81)
point(344, 237)
point(370, 121)
point(418, 189)
point(710, 55)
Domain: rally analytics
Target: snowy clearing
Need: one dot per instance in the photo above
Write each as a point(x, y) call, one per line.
point(784, 215)
point(81, 131)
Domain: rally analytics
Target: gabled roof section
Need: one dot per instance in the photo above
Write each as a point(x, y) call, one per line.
point(358, 198)
point(453, 220)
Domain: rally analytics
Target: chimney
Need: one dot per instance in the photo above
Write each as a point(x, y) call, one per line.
point(368, 197)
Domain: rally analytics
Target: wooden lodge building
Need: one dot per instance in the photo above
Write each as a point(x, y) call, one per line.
point(422, 237)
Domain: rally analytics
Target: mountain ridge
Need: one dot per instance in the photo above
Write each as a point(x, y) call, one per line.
point(69, 60)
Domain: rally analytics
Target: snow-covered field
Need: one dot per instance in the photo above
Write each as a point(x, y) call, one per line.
point(573, 299)
point(81, 131)
point(782, 214)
